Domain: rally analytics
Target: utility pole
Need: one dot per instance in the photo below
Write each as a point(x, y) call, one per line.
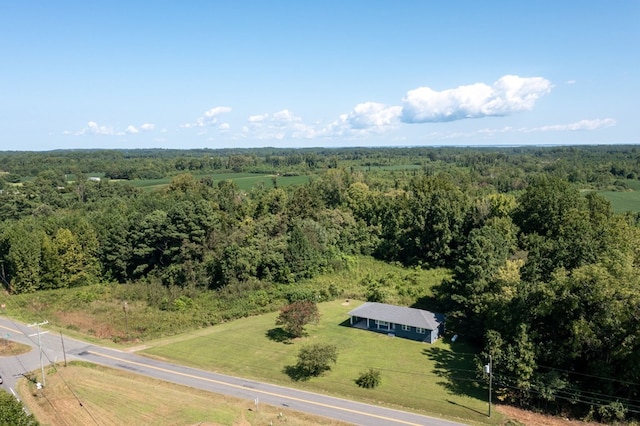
point(126, 321)
point(38, 324)
point(488, 369)
point(64, 353)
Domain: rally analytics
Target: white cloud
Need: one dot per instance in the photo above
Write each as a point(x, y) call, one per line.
point(224, 126)
point(582, 125)
point(365, 119)
point(258, 118)
point(209, 118)
point(284, 117)
point(93, 128)
point(508, 95)
point(505, 129)
point(488, 133)
point(372, 115)
point(278, 125)
point(598, 123)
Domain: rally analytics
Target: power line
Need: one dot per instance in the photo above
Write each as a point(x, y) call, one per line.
point(567, 398)
point(589, 375)
point(51, 363)
point(569, 394)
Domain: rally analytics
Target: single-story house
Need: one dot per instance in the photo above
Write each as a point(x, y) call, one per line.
point(410, 323)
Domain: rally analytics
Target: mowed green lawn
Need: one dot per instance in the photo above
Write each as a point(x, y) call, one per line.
point(434, 379)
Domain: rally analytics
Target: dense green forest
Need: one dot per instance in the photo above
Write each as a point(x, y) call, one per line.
point(544, 271)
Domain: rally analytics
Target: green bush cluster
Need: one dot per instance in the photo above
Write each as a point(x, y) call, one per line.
point(369, 379)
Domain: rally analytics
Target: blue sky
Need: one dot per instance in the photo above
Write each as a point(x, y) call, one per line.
point(196, 74)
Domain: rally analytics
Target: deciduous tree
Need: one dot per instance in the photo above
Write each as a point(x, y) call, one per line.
point(315, 359)
point(295, 316)
point(11, 412)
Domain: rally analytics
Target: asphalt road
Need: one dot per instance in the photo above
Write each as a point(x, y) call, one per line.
point(12, 368)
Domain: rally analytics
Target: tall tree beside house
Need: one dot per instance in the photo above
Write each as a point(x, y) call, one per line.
point(436, 218)
point(50, 265)
point(389, 216)
point(77, 266)
point(150, 241)
point(114, 250)
point(475, 296)
point(305, 255)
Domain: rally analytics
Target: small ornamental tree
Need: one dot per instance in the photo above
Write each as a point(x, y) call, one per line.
point(295, 316)
point(369, 379)
point(315, 359)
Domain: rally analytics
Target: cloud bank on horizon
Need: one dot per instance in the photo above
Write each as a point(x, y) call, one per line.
point(510, 94)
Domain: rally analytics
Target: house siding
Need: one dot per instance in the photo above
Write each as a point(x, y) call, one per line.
point(410, 334)
point(428, 336)
point(434, 335)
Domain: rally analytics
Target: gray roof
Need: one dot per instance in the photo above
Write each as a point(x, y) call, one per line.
point(398, 315)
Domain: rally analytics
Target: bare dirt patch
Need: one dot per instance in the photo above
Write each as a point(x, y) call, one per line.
point(138, 348)
point(11, 348)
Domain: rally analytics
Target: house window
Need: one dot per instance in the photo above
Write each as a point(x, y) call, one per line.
point(406, 328)
point(420, 330)
point(382, 324)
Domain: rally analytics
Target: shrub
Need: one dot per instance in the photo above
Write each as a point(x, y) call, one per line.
point(375, 293)
point(369, 379)
point(614, 411)
point(12, 411)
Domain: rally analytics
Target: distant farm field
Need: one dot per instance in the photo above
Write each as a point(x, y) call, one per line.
point(626, 197)
point(436, 379)
point(623, 201)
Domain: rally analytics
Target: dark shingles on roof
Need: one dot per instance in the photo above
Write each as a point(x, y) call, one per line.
point(398, 315)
